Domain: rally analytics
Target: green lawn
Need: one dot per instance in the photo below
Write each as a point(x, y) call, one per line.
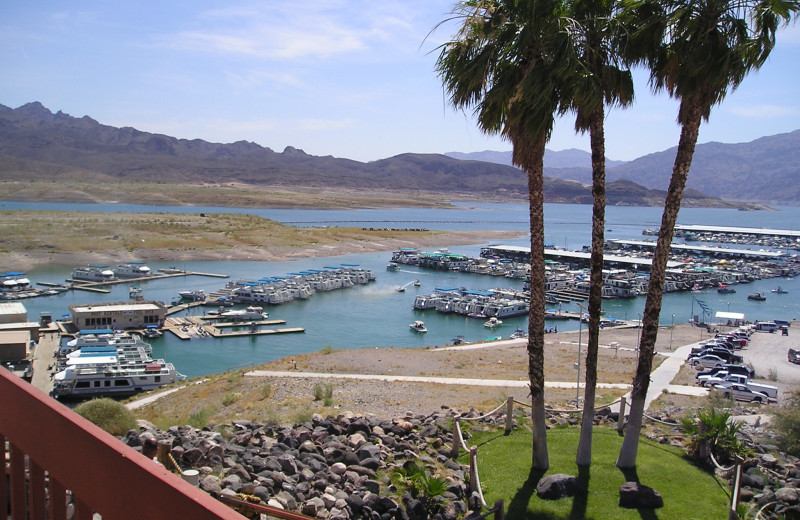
point(504, 468)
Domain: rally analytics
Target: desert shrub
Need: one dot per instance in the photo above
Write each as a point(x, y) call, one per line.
point(773, 374)
point(786, 423)
point(108, 414)
point(230, 398)
point(266, 391)
point(199, 419)
point(323, 392)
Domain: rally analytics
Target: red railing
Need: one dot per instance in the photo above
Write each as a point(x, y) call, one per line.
point(56, 460)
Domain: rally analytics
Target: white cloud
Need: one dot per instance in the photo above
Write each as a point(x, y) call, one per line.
point(317, 29)
point(763, 111)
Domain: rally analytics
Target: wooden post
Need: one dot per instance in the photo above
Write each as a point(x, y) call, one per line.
point(473, 469)
point(456, 448)
point(509, 414)
point(621, 419)
point(163, 454)
point(499, 512)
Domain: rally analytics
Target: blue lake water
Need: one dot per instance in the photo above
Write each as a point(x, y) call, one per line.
point(377, 315)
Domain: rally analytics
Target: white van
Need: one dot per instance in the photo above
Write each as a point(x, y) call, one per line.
point(766, 326)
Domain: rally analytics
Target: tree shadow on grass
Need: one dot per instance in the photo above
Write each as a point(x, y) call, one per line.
point(631, 475)
point(518, 507)
point(581, 498)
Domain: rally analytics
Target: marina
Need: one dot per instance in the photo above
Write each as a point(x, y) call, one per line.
point(376, 315)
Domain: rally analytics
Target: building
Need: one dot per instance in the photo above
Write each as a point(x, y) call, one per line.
point(12, 312)
point(119, 315)
point(14, 345)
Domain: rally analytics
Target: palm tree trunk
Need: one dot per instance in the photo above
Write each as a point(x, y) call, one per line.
point(597, 139)
point(531, 158)
point(655, 290)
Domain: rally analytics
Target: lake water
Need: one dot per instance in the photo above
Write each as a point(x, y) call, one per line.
point(377, 315)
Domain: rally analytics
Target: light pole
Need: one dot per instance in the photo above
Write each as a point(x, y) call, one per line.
point(670, 332)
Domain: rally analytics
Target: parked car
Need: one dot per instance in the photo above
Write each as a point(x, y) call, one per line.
point(729, 368)
point(723, 353)
point(794, 356)
point(707, 361)
point(742, 393)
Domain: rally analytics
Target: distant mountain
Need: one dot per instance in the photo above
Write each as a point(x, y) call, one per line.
point(766, 170)
point(37, 145)
point(570, 158)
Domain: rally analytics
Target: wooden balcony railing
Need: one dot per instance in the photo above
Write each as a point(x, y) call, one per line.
point(57, 461)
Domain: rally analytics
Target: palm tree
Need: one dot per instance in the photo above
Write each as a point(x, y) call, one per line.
point(709, 47)
point(506, 62)
point(600, 80)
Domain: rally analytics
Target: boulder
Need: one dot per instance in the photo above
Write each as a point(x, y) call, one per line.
point(559, 485)
point(633, 495)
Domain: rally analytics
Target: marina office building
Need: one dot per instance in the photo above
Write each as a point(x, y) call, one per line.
point(120, 315)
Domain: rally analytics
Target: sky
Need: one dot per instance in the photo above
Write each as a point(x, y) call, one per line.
point(351, 78)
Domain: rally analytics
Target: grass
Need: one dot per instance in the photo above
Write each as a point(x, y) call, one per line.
point(504, 468)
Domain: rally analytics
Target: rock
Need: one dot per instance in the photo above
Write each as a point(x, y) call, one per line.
point(558, 485)
point(233, 482)
point(338, 468)
point(211, 484)
point(633, 495)
point(313, 506)
point(788, 495)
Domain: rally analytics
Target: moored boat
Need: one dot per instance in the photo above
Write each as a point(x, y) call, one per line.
point(112, 370)
point(726, 289)
point(248, 314)
point(93, 273)
point(132, 270)
point(195, 296)
point(418, 326)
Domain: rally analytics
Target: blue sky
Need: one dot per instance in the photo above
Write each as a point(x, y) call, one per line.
point(350, 78)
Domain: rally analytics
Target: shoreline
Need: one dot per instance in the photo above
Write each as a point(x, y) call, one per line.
point(33, 258)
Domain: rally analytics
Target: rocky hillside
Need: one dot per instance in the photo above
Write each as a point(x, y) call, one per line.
point(38, 145)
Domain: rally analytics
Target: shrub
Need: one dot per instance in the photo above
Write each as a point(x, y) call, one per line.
point(108, 414)
point(786, 423)
point(773, 374)
point(713, 433)
point(266, 391)
point(199, 419)
point(323, 392)
point(230, 398)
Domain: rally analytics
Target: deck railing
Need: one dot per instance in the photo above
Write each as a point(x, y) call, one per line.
point(58, 462)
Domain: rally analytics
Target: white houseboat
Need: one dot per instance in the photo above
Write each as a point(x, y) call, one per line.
point(93, 273)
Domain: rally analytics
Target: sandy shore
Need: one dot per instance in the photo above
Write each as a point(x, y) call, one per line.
point(31, 258)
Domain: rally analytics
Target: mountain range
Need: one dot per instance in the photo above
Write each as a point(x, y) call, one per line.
point(766, 170)
point(37, 144)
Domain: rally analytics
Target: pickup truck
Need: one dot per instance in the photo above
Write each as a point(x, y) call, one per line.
point(731, 379)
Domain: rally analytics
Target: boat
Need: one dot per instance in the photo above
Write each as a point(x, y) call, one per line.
point(757, 296)
point(105, 338)
point(111, 371)
point(418, 326)
point(248, 314)
point(726, 289)
point(195, 296)
point(132, 270)
point(458, 340)
point(519, 333)
point(93, 273)
point(392, 267)
point(417, 283)
point(492, 323)
point(779, 290)
point(152, 332)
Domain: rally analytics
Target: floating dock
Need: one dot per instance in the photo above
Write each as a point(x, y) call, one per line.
point(189, 327)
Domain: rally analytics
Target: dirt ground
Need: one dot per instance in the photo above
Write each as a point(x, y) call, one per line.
point(501, 360)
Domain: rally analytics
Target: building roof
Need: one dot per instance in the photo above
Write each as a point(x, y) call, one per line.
point(12, 308)
point(117, 307)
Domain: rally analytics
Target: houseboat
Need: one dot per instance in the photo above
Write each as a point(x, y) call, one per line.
point(132, 270)
point(93, 273)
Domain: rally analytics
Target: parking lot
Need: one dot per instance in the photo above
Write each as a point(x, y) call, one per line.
point(767, 351)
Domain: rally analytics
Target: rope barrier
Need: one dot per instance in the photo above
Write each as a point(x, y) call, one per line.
point(721, 468)
point(474, 471)
point(651, 418)
point(580, 410)
point(484, 416)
